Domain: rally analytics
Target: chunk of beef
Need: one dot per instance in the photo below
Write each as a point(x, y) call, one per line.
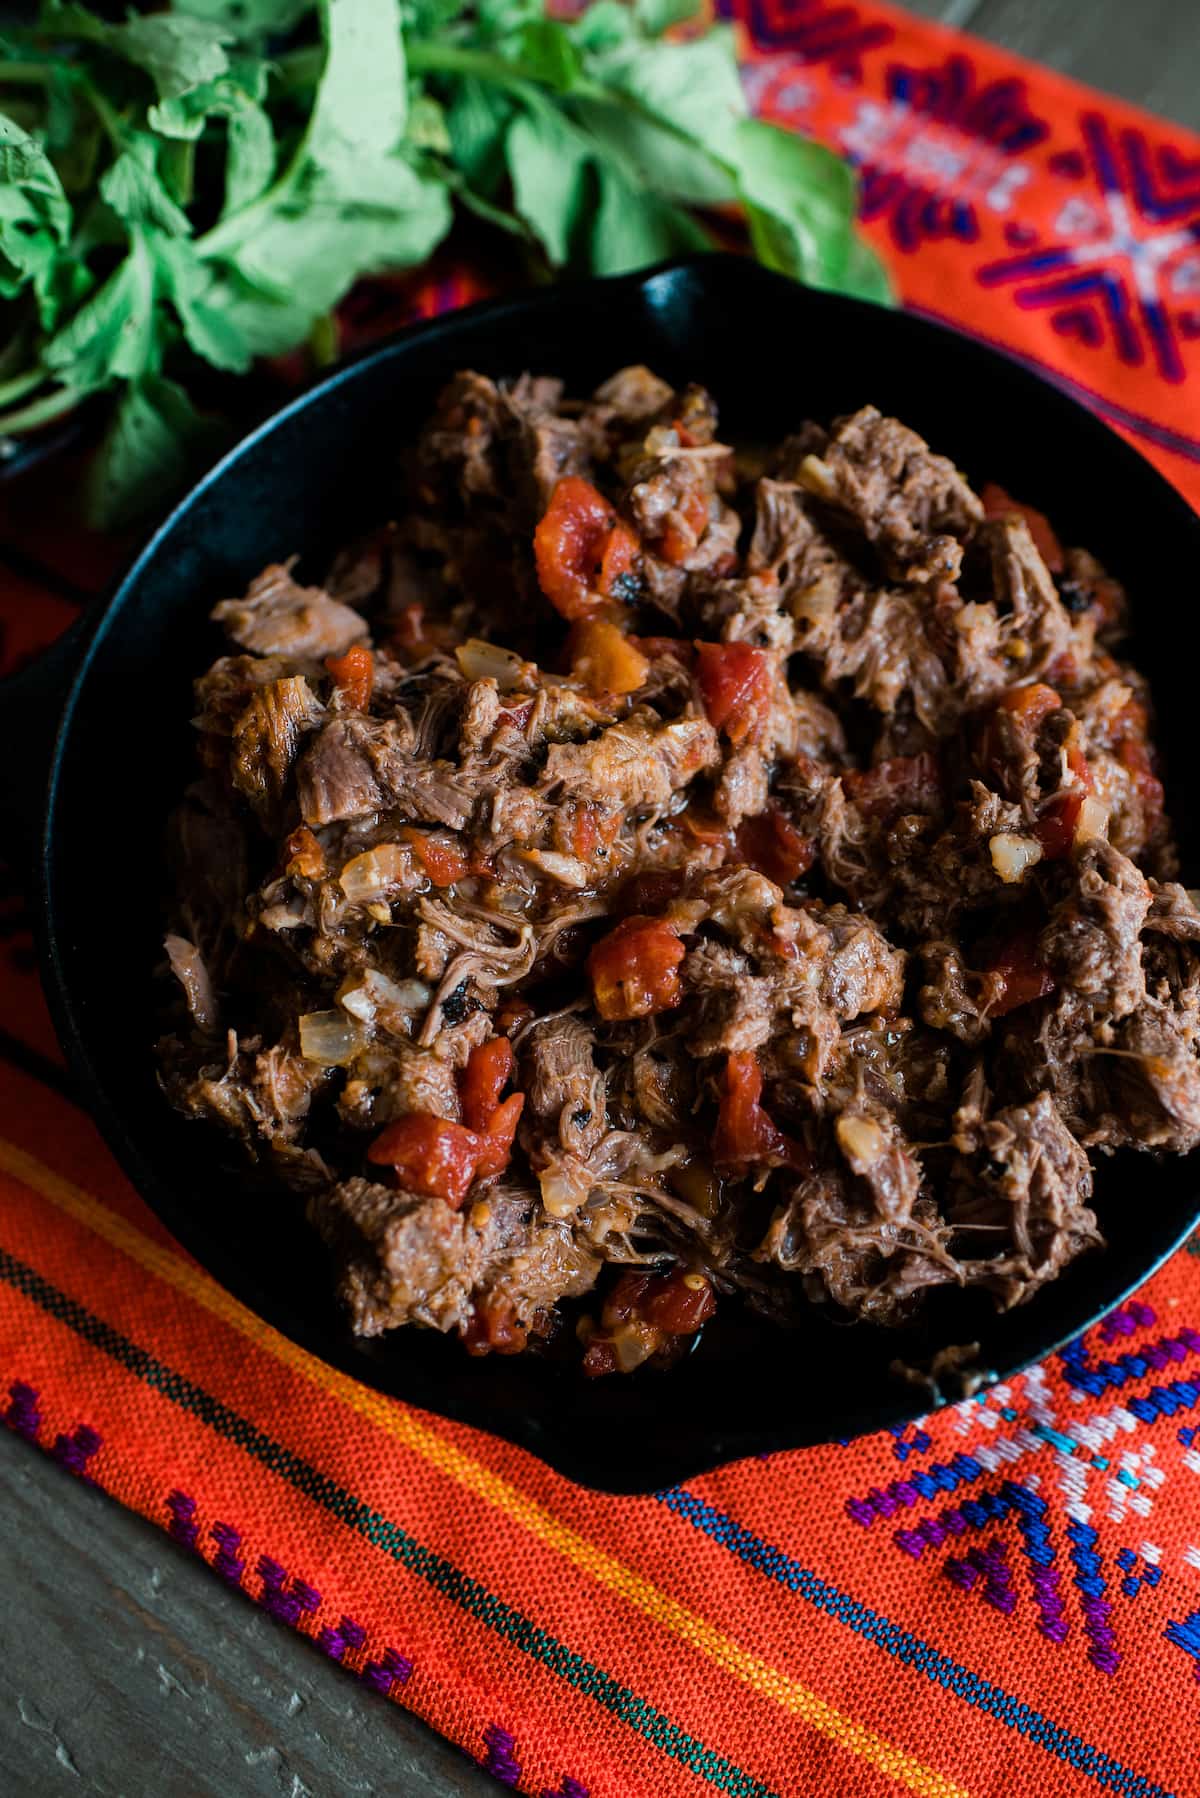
point(914, 506)
point(277, 616)
point(1092, 942)
point(636, 765)
point(358, 765)
point(1153, 1080)
point(266, 740)
point(1023, 630)
point(872, 1266)
point(564, 1089)
point(880, 645)
point(403, 1259)
point(1028, 1183)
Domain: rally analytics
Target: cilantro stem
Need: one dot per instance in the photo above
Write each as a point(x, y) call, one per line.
point(39, 412)
point(20, 385)
point(426, 57)
point(25, 74)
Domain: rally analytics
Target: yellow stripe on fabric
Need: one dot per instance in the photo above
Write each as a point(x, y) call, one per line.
point(401, 1424)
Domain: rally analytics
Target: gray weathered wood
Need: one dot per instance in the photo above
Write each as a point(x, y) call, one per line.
point(127, 1670)
point(1149, 52)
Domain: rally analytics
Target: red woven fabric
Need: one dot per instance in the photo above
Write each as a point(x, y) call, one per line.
point(1005, 1598)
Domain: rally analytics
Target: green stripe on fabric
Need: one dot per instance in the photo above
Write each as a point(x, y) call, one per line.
point(459, 1587)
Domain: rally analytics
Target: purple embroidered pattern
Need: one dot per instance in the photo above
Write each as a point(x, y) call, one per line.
point(287, 1598)
point(1125, 264)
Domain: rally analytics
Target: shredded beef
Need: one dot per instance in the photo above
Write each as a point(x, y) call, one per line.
point(631, 873)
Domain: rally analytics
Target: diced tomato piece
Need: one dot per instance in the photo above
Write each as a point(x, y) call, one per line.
point(679, 540)
point(496, 1142)
point(487, 1073)
point(1018, 976)
point(1031, 705)
point(745, 1133)
point(604, 659)
point(430, 1155)
point(586, 827)
point(896, 787)
point(624, 1301)
point(494, 1328)
point(771, 843)
point(618, 563)
point(735, 685)
point(579, 565)
point(634, 970)
point(600, 1358)
point(999, 504)
point(494, 1121)
point(442, 858)
point(676, 1302)
point(1055, 829)
point(354, 675)
point(305, 855)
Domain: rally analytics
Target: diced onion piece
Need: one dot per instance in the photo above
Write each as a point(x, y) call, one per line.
point(374, 996)
point(369, 875)
point(480, 660)
point(564, 868)
point(818, 477)
point(861, 1140)
point(1092, 820)
point(1013, 856)
point(563, 1190)
point(329, 1038)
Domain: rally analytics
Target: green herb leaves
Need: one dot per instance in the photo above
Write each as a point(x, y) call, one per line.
point(203, 184)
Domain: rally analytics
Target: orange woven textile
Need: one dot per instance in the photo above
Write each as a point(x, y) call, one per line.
point(1004, 1598)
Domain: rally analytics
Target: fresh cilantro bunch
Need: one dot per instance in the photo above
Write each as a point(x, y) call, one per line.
point(204, 184)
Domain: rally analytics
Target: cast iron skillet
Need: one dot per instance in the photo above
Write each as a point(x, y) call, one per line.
point(306, 481)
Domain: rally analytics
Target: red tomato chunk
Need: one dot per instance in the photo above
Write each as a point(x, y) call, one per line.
point(771, 843)
point(745, 1133)
point(735, 685)
point(430, 1156)
point(582, 549)
point(495, 1329)
point(441, 857)
point(634, 970)
point(1018, 976)
point(354, 675)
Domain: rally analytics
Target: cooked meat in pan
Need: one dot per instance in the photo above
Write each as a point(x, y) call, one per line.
point(652, 875)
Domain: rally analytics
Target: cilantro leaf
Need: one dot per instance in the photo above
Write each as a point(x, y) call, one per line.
point(133, 188)
point(154, 439)
point(204, 182)
point(35, 215)
point(548, 165)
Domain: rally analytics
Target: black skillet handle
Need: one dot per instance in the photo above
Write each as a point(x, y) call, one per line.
point(31, 703)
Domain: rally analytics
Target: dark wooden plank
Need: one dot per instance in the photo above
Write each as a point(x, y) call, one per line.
point(126, 1669)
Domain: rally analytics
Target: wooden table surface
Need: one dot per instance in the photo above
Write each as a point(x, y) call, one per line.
point(125, 1668)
